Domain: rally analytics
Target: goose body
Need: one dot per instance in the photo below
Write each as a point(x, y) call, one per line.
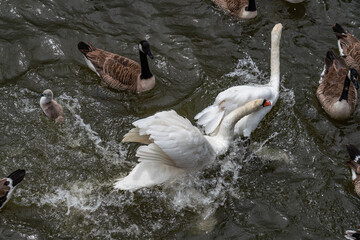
point(354, 164)
point(210, 118)
point(7, 185)
point(349, 46)
point(119, 72)
point(50, 107)
point(174, 146)
point(245, 9)
point(337, 90)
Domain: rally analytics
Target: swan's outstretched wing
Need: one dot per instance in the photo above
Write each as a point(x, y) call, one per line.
point(228, 100)
point(178, 139)
point(175, 146)
point(154, 167)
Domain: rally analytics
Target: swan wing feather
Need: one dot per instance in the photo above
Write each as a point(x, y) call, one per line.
point(229, 100)
point(178, 139)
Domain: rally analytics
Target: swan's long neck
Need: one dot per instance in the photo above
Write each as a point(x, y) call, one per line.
point(145, 70)
point(275, 56)
point(226, 129)
point(221, 141)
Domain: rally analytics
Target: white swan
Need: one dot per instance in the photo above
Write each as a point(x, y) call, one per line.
point(226, 101)
point(175, 146)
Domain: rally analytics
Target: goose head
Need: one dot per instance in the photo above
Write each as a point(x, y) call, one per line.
point(144, 47)
point(46, 96)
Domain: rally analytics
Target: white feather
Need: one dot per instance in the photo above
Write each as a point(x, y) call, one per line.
point(176, 146)
point(340, 48)
point(235, 97)
point(91, 66)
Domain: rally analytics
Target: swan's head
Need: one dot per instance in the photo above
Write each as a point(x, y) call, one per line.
point(46, 96)
point(258, 104)
point(144, 47)
point(266, 103)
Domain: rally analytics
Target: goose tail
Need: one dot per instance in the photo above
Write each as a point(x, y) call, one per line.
point(210, 118)
point(354, 152)
point(17, 176)
point(85, 48)
point(154, 168)
point(330, 57)
point(339, 30)
point(352, 235)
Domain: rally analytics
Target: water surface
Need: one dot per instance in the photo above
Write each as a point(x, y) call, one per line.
point(198, 51)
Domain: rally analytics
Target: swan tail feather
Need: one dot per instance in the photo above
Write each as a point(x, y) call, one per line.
point(134, 136)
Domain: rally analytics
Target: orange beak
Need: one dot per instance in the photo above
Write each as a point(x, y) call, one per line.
point(267, 103)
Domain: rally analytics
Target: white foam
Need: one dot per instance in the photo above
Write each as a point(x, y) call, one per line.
point(54, 46)
point(72, 104)
point(161, 63)
point(80, 195)
point(245, 68)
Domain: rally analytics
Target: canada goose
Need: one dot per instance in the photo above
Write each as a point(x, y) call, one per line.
point(50, 107)
point(353, 235)
point(348, 46)
point(239, 8)
point(119, 72)
point(335, 92)
point(210, 118)
point(7, 185)
point(354, 164)
point(175, 146)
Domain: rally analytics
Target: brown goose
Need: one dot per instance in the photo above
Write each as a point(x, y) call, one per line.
point(336, 93)
point(354, 164)
point(119, 72)
point(348, 46)
point(7, 185)
point(50, 107)
point(239, 8)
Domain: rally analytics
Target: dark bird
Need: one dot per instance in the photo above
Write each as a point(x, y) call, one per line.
point(7, 185)
point(119, 72)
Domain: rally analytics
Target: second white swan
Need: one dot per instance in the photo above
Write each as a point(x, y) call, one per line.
point(175, 146)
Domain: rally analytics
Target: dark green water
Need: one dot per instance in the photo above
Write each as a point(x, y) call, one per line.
point(198, 52)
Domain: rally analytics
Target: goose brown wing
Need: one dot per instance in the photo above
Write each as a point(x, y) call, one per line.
point(333, 82)
point(236, 5)
point(117, 71)
point(354, 52)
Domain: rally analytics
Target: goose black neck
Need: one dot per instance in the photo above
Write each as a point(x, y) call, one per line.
point(145, 70)
point(345, 92)
point(251, 7)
